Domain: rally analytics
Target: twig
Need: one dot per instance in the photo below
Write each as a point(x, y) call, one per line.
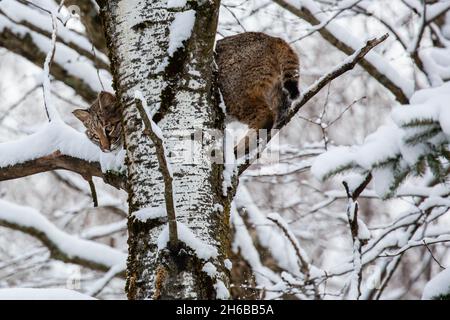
point(164, 167)
point(325, 23)
point(414, 244)
point(17, 103)
point(347, 65)
point(101, 283)
point(304, 265)
point(352, 215)
point(51, 113)
point(93, 192)
point(432, 255)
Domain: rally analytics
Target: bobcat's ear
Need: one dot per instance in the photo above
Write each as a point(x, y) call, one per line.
point(81, 114)
point(107, 100)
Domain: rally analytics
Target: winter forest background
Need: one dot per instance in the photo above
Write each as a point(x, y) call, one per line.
point(298, 231)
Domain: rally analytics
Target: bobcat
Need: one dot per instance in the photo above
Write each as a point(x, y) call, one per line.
point(102, 122)
point(258, 76)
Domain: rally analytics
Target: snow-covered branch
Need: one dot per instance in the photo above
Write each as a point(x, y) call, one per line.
point(58, 146)
point(27, 31)
point(337, 36)
point(62, 246)
point(348, 64)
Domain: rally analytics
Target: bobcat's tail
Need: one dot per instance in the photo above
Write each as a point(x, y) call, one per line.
point(290, 69)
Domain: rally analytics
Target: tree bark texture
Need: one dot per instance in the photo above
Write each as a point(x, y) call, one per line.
point(182, 87)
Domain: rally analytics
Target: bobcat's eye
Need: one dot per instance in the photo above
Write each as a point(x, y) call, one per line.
point(95, 138)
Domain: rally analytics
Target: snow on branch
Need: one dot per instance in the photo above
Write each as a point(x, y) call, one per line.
point(52, 113)
point(348, 64)
point(202, 250)
point(63, 246)
point(416, 138)
point(269, 237)
point(359, 233)
point(337, 36)
point(155, 134)
point(25, 32)
point(58, 146)
point(243, 244)
point(37, 20)
point(101, 283)
point(438, 287)
point(42, 294)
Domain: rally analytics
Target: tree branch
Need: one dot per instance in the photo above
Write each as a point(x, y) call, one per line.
point(347, 65)
point(391, 80)
point(56, 161)
point(63, 246)
point(27, 43)
point(165, 171)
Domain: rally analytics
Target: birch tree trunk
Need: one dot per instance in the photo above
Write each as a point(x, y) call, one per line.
point(183, 89)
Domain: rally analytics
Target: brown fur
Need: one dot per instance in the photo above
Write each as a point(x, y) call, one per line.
point(102, 122)
point(258, 75)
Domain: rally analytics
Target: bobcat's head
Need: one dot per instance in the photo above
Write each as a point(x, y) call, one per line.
point(102, 122)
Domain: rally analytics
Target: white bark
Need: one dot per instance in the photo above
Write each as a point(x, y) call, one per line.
point(182, 87)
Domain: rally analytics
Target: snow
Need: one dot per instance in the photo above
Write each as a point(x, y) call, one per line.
point(363, 231)
point(222, 292)
point(230, 165)
point(150, 213)
point(56, 136)
point(333, 160)
point(280, 221)
point(176, 3)
point(439, 285)
point(202, 250)
point(74, 63)
point(100, 231)
point(70, 245)
point(228, 264)
point(20, 12)
point(42, 294)
point(98, 286)
point(269, 235)
point(180, 30)
point(243, 244)
point(114, 160)
point(209, 269)
point(218, 207)
point(394, 142)
point(346, 37)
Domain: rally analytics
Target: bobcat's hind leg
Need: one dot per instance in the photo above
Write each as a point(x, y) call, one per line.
point(263, 119)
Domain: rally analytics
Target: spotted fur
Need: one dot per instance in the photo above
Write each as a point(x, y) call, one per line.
point(102, 122)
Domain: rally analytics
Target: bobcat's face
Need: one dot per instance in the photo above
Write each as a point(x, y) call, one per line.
point(102, 122)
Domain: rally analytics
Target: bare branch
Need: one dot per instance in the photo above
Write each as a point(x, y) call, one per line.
point(165, 171)
point(315, 88)
point(388, 81)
